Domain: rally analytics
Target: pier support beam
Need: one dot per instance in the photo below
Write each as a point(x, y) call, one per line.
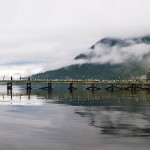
point(9, 89)
point(29, 86)
point(71, 87)
point(49, 86)
point(111, 88)
point(9, 86)
point(133, 88)
point(92, 88)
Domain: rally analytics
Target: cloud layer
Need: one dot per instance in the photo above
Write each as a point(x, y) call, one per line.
point(118, 50)
point(117, 55)
point(38, 35)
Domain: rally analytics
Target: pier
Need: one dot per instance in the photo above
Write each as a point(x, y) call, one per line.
point(92, 85)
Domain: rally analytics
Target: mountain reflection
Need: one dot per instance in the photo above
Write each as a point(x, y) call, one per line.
point(116, 114)
point(118, 122)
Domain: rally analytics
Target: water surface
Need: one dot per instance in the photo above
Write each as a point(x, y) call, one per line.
point(79, 120)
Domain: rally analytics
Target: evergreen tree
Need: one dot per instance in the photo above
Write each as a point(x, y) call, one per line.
point(148, 75)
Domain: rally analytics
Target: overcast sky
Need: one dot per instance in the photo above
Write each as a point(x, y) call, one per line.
point(39, 35)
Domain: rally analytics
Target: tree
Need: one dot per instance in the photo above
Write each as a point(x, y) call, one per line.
point(148, 75)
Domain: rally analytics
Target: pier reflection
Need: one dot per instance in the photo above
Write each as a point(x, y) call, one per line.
point(84, 98)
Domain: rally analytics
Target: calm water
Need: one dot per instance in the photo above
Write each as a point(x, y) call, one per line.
point(81, 120)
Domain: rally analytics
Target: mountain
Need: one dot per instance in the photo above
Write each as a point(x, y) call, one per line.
point(94, 71)
point(109, 43)
point(109, 58)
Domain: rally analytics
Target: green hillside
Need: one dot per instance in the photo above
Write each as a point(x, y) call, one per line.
point(95, 71)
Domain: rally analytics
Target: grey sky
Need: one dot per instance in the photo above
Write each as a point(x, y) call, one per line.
point(38, 35)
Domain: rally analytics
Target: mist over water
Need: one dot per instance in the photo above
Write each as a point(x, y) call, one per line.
point(74, 120)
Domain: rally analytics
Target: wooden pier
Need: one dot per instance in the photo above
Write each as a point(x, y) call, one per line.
point(92, 85)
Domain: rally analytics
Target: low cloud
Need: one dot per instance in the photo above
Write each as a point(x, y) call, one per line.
point(117, 55)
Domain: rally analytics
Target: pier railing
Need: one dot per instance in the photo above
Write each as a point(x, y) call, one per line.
point(62, 81)
point(92, 85)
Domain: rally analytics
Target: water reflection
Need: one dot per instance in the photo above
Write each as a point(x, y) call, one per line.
point(103, 98)
point(120, 114)
point(118, 121)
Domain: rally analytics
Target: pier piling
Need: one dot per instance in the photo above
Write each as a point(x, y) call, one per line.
point(29, 86)
point(9, 85)
point(71, 87)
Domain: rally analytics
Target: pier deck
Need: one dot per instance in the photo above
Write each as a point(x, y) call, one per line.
point(92, 85)
point(84, 82)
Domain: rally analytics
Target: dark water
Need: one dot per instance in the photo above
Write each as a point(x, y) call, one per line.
point(81, 120)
